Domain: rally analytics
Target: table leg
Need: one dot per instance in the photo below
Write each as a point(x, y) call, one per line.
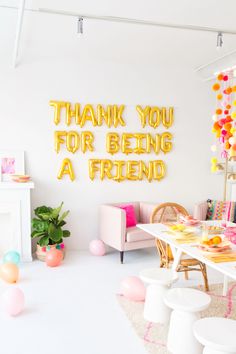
point(177, 256)
point(225, 285)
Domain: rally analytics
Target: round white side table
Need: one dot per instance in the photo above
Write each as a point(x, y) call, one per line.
point(218, 335)
point(186, 304)
point(159, 281)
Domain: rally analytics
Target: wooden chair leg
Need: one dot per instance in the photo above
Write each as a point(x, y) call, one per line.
point(186, 275)
point(204, 273)
point(121, 257)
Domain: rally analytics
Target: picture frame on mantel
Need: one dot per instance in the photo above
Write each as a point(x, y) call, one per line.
point(12, 162)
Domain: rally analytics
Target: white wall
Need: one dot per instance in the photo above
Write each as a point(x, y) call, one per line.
point(111, 63)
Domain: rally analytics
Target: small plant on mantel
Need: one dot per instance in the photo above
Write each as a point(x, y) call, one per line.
point(47, 227)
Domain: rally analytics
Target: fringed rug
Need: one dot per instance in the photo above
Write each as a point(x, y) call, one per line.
point(154, 335)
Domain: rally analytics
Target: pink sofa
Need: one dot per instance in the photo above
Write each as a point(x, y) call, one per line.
point(215, 210)
point(113, 231)
point(200, 210)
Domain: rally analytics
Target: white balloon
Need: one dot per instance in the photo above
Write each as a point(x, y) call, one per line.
point(232, 140)
point(214, 117)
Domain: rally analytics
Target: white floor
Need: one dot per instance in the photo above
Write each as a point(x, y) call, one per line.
point(73, 308)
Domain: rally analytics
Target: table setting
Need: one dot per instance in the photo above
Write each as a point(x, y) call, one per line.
point(215, 240)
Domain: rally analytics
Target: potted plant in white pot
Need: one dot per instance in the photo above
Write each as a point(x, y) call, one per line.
point(47, 227)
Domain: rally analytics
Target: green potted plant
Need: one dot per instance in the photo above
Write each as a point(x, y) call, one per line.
point(47, 227)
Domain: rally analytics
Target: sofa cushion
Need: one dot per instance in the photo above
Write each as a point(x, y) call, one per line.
point(218, 210)
point(135, 234)
point(136, 208)
point(130, 215)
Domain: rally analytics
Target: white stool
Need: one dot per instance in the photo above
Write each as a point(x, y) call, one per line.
point(159, 280)
point(186, 303)
point(218, 335)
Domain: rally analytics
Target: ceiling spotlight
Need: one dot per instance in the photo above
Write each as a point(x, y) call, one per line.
point(219, 41)
point(80, 28)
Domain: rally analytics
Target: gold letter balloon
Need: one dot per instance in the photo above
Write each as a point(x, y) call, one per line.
point(75, 139)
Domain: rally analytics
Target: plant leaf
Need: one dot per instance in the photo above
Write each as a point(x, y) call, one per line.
point(66, 233)
point(39, 225)
point(60, 241)
point(44, 241)
point(42, 210)
point(45, 216)
point(35, 234)
point(64, 215)
point(61, 223)
point(56, 211)
point(55, 233)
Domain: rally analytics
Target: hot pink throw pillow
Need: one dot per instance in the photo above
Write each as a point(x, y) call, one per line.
point(130, 215)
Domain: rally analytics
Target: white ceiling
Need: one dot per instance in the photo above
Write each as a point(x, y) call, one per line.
point(194, 48)
point(215, 13)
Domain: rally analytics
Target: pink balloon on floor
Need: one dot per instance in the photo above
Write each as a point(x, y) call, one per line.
point(97, 248)
point(133, 288)
point(54, 257)
point(13, 301)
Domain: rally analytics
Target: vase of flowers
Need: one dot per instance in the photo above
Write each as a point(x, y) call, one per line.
point(47, 226)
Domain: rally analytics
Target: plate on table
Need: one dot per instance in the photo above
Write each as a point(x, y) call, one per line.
point(189, 221)
point(213, 229)
point(221, 247)
point(20, 178)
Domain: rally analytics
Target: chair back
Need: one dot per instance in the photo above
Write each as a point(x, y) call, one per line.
point(166, 213)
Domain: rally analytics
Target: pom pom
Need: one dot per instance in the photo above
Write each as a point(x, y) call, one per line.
point(232, 141)
point(214, 117)
point(234, 147)
point(216, 126)
point(228, 91)
point(234, 88)
point(219, 96)
point(234, 102)
point(227, 145)
point(226, 111)
point(223, 132)
point(225, 78)
point(220, 77)
point(228, 135)
point(218, 111)
point(233, 115)
point(214, 160)
point(221, 122)
point(228, 119)
point(228, 106)
point(227, 126)
point(216, 87)
point(213, 148)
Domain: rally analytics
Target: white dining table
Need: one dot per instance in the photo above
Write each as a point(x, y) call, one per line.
point(162, 232)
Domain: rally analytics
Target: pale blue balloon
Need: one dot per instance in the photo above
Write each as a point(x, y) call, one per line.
point(11, 257)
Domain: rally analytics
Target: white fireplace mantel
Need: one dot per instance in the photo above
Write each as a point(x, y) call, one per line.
point(15, 218)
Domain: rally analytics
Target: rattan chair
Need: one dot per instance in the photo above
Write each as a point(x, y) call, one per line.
point(168, 213)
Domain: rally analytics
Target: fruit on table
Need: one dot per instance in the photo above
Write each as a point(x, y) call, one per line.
point(216, 240)
point(178, 227)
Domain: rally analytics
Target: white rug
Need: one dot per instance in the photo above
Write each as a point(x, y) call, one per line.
point(154, 335)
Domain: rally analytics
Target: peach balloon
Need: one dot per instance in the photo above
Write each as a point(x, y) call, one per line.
point(133, 288)
point(13, 301)
point(9, 272)
point(97, 248)
point(54, 257)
